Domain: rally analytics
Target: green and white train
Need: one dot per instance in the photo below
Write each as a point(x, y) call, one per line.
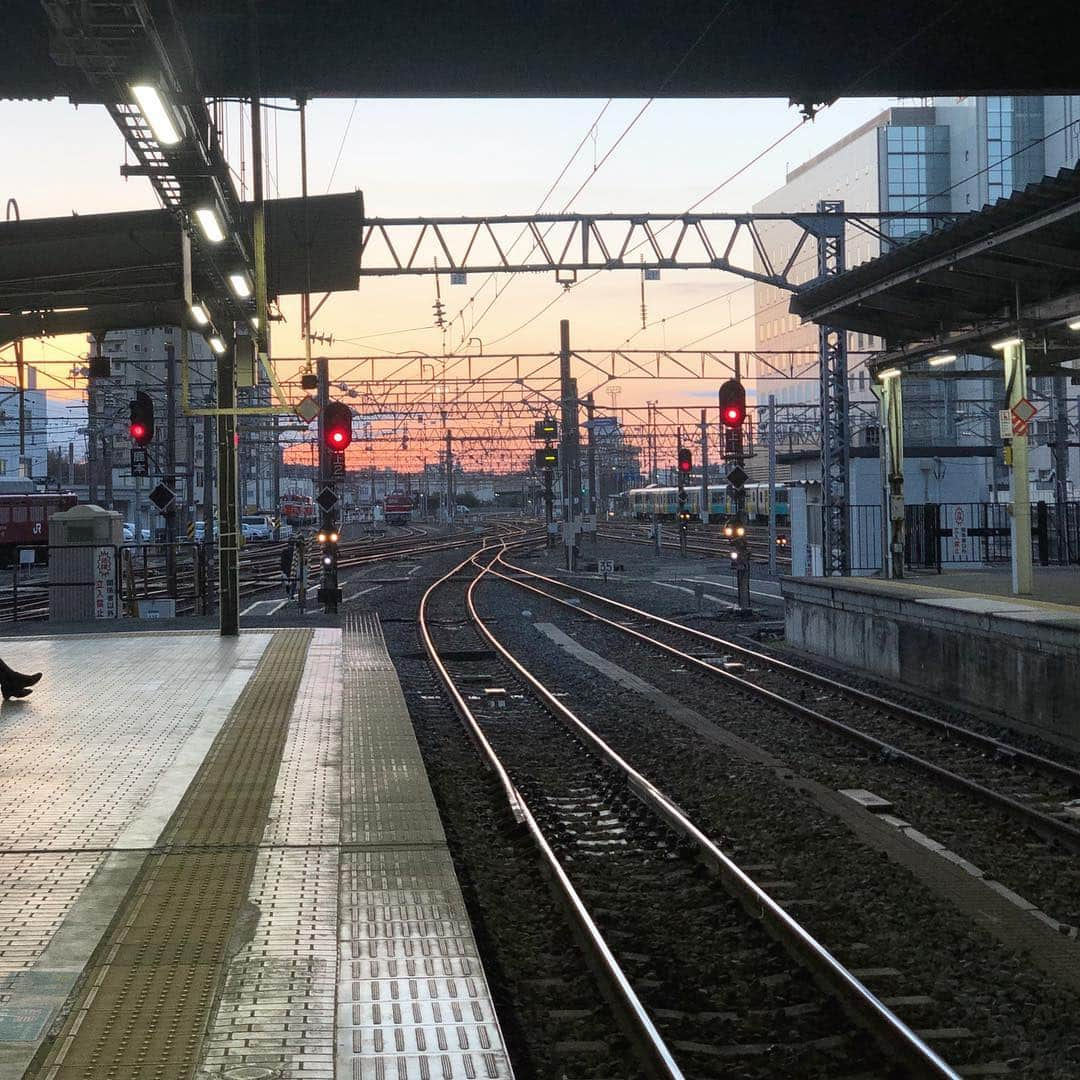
point(662, 503)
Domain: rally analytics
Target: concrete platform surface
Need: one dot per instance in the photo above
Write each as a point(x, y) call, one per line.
point(352, 955)
point(1053, 587)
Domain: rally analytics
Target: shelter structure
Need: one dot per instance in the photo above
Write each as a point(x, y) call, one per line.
point(1003, 285)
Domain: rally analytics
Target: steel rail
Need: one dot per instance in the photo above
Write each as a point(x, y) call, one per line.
point(655, 1055)
point(1044, 824)
point(1057, 769)
point(865, 1008)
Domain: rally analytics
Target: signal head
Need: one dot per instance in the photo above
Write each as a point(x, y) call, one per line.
point(333, 538)
point(321, 538)
point(337, 425)
point(732, 397)
point(686, 460)
point(141, 427)
point(739, 530)
point(729, 530)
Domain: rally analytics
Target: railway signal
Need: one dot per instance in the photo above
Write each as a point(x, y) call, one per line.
point(546, 428)
point(740, 561)
point(329, 593)
point(141, 427)
point(337, 425)
point(547, 458)
point(686, 462)
point(732, 404)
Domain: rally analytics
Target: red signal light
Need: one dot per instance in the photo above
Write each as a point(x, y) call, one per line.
point(138, 432)
point(732, 404)
point(337, 425)
point(686, 461)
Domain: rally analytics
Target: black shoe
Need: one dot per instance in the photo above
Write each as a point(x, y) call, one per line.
point(10, 691)
point(26, 680)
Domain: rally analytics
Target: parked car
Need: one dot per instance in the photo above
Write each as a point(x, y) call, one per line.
point(257, 527)
point(200, 531)
point(129, 532)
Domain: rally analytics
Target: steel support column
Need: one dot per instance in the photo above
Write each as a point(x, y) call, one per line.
point(1019, 487)
point(890, 395)
point(835, 437)
point(229, 537)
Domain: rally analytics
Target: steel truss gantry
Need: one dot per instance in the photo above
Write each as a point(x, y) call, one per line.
point(568, 244)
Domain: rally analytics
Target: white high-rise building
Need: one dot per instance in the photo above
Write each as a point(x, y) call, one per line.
point(956, 155)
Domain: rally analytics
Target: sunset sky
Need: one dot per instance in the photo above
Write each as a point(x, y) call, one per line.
point(413, 158)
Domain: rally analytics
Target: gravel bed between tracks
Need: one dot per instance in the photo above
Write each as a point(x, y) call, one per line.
point(1044, 874)
point(869, 911)
point(722, 993)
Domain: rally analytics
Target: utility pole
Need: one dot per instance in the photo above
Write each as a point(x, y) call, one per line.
point(328, 518)
point(772, 485)
point(92, 425)
point(704, 469)
point(590, 453)
point(569, 450)
point(107, 464)
point(275, 479)
point(20, 375)
point(449, 500)
point(681, 479)
point(740, 491)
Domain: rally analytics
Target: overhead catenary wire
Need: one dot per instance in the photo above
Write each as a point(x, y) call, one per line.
point(720, 12)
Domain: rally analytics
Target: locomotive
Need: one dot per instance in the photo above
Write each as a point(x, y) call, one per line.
point(397, 507)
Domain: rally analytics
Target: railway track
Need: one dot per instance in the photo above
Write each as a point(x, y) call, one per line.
point(734, 984)
point(709, 544)
point(1034, 791)
point(260, 570)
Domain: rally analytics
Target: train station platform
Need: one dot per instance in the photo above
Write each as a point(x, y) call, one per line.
point(960, 637)
point(222, 857)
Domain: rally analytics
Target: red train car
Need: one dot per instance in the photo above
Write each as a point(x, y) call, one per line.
point(298, 510)
point(397, 507)
point(24, 519)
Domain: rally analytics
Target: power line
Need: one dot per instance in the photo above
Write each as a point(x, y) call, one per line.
point(722, 10)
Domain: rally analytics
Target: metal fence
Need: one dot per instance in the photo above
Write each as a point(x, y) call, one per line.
point(940, 534)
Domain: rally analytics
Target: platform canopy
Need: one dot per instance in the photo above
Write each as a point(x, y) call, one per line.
point(1013, 267)
point(99, 272)
point(811, 51)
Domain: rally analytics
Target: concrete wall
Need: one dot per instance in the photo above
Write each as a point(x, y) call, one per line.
point(1013, 660)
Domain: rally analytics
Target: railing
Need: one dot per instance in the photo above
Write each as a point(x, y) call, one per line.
point(980, 534)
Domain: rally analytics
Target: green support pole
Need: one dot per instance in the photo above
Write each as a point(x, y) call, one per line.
point(228, 516)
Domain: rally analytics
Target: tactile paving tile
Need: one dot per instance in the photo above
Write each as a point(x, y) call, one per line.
point(276, 1011)
point(96, 758)
point(413, 1001)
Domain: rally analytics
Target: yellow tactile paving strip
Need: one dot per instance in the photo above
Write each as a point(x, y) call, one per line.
point(151, 985)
